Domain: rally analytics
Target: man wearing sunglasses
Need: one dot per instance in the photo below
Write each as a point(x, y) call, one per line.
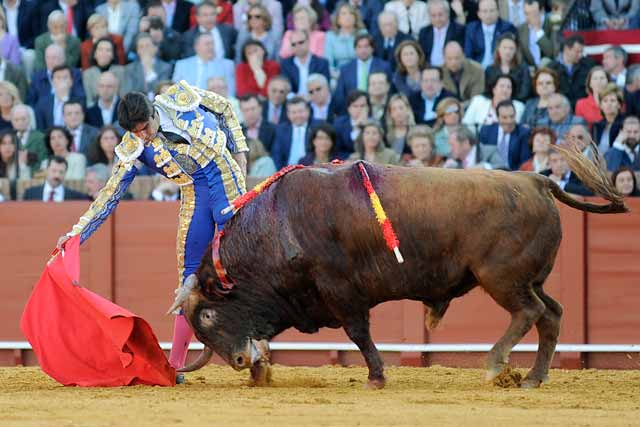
point(193, 138)
point(303, 63)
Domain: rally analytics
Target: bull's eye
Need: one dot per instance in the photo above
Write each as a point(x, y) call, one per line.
point(207, 317)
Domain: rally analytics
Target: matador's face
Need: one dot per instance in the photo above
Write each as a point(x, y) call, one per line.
point(149, 129)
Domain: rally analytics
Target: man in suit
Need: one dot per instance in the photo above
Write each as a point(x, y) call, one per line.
point(76, 13)
point(480, 36)
point(348, 126)
point(614, 14)
point(49, 107)
point(412, 15)
point(512, 11)
point(53, 189)
point(388, 38)
point(84, 135)
point(169, 41)
point(461, 76)
point(425, 102)
point(322, 106)
point(29, 140)
point(535, 35)
point(104, 111)
point(614, 61)
point(176, 13)
point(433, 38)
point(467, 153)
point(625, 151)
point(128, 15)
point(355, 74)
point(224, 36)
point(632, 90)
point(12, 73)
point(56, 34)
point(253, 125)
point(560, 117)
point(560, 173)
point(303, 63)
point(273, 108)
point(291, 139)
point(510, 138)
point(572, 68)
point(22, 21)
point(41, 80)
point(369, 10)
point(197, 69)
point(143, 74)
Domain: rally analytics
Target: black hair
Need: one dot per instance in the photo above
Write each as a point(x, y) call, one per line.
point(134, 108)
point(248, 97)
point(73, 102)
point(14, 140)
point(331, 133)
point(491, 84)
point(60, 68)
point(252, 42)
point(356, 94)
point(47, 138)
point(363, 36)
point(60, 160)
point(503, 104)
point(432, 68)
point(92, 58)
point(572, 40)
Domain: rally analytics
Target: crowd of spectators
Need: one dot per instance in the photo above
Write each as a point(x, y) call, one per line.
point(492, 84)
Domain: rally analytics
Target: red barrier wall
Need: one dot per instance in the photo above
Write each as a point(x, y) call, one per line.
point(132, 260)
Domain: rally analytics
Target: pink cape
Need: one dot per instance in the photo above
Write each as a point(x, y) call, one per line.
point(85, 340)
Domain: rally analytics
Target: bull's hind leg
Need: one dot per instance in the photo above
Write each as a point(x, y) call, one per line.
point(525, 308)
point(357, 328)
point(548, 327)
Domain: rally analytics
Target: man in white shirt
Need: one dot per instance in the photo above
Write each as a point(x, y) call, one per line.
point(224, 36)
point(535, 34)
point(614, 60)
point(320, 98)
point(412, 15)
point(467, 153)
point(290, 143)
point(277, 91)
point(49, 108)
point(83, 135)
point(103, 111)
point(53, 189)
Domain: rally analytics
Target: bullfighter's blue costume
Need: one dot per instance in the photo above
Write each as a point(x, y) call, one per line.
point(198, 134)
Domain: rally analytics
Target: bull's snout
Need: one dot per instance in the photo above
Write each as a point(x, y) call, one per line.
point(253, 352)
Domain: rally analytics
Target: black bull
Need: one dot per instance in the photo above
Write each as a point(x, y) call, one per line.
point(309, 253)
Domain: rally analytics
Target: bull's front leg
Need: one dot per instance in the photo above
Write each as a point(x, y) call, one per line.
point(357, 328)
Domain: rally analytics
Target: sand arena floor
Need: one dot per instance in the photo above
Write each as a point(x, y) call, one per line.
point(326, 396)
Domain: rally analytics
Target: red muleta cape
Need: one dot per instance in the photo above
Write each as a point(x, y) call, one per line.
point(83, 339)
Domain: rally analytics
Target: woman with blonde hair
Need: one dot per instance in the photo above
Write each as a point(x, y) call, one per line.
point(449, 113)
point(259, 24)
point(339, 42)
point(305, 18)
point(370, 146)
point(9, 97)
point(606, 130)
point(399, 119)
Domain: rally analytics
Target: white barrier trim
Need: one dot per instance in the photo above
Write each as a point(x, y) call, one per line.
point(396, 348)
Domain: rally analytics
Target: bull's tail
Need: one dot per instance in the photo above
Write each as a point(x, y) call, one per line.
point(593, 174)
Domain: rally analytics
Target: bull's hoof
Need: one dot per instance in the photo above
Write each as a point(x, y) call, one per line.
point(261, 374)
point(493, 373)
point(375, 384)
point(532, 382)
point(507, 378)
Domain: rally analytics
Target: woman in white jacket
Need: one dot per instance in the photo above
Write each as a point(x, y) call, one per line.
point(481, 111)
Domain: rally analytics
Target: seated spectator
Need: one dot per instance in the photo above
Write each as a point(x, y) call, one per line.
point(625, 182)
point(448, 117)
point(614, 15)
point(606, 130)
point(560, 173)
point(254, 126)
point(510, 138)
point(98, 28)
point(177, 13)
point(506, 60)
point(105, 110)
point(83, 134)
point(102, 148)
point(9, 97)
point(224, 35)
point(13, 74)
point(560, 117)
point(96, 178)
point(58, 142)
point(536, 34)
point(304, 19)
point(196, 69)
point(433, 38)
point(291, 138)
point(9, 44)
point(143, 74)
point(467, 153)
point(482, 109)
point(274, 7)
point(49, 107)
point(572, 68)
point(462, 77)
point(322, 106)
point(57, 24)
point(424, 104)
point(339, 43)
point(399, 120)
point(259, 163)
point(370, 146)
point(75, 12)
point(588, 108)
point(322, 145)
point(22, 21)
point(540, 140)
point(255, 71)
point(614, 61)
point(481, 36)
point(258, 27)
point(412, 15)
point(388, 38)
point(219, 85)
point(41, 80)
point(513, 11)
point(379, 88)
point(165, 191)
point(122, 18)
point(632, 89)
point(355, 74)
point(102, 59)
point(170, 44)
point(13, 164)
point(349, 126)
point(322, 16)
point(273, 108)
point(421, 140)
point(29, 139)
point(53, 189)
point(625, 151)
point(369, 10)
point(298, 67)
point(580, 136)
point(410, 61)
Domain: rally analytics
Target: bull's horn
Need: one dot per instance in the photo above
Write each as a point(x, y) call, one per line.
point(183, 292)
point(202, 360)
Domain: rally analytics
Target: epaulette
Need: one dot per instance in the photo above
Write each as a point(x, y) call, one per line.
point(129, 149)
point(180, 97)
point(214, 102)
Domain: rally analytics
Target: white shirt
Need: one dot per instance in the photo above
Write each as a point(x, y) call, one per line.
point(170, 10)
point(58, 193)
point(218, 44)
point(3, 67)
point(113, 18)
point(439, 36)
point(303, 71)
point(507, 139)
point(516, 13)
point(417, 15)
point(488, 32)
point(107, 113)
point(57, 110)
point(167, 125)
point(470, 160)
point(298, 144)
point(12, 19)
point(621, 79)
point(321, 112)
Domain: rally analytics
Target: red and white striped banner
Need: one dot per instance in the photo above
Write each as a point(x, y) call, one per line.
point(596, 42)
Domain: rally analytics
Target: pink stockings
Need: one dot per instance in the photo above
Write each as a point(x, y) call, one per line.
point(182, 334)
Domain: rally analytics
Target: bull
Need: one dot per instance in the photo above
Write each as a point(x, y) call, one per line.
point(308, 253)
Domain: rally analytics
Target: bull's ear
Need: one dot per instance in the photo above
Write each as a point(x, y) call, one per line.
point(207, 317)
